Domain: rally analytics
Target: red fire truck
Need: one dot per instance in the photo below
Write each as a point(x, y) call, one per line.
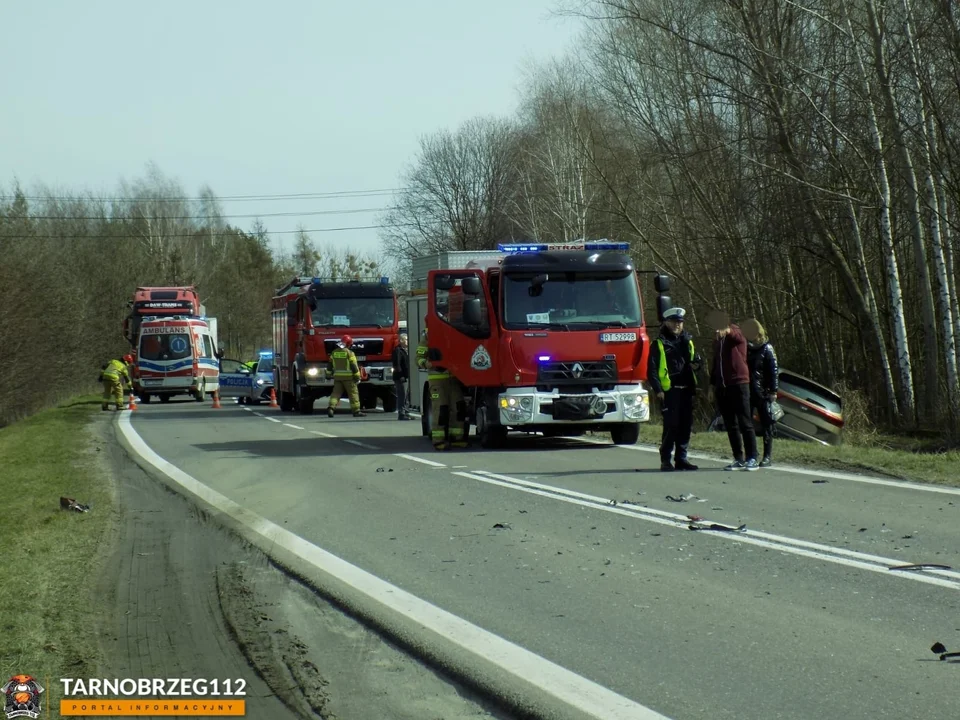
point(311, 315)
point(548, 338)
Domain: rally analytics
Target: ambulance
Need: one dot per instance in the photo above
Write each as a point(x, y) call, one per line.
point(176, 355)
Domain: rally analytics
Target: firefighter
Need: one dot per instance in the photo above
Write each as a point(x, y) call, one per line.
point(672, 373)
point(114, 375)
point(346, 375)
point(445, 391)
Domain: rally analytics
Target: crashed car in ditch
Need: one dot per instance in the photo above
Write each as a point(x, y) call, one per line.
point(811, 411)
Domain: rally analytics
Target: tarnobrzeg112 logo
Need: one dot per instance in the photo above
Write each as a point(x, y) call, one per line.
point(21, 697)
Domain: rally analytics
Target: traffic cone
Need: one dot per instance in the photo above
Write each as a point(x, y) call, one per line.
point(133, 402)
point(216, 400)
point(273, 398)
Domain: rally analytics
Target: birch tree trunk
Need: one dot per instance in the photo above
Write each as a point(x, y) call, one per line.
point(930, 395)
point(929, 139)
point(907, 404)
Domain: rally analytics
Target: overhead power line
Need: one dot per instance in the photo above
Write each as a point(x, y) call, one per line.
point(232, 198)
point(120, 236)
point(211, 217)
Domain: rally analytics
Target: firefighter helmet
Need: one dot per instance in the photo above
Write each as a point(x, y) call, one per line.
point(346, 341)
point(128, 359)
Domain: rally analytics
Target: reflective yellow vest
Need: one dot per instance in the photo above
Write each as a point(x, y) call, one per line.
point(115, 370)
point(433, 373)
point(343, 362)
point(663, 375)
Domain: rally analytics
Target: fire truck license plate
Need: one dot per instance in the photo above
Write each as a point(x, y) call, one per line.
point(618, 337)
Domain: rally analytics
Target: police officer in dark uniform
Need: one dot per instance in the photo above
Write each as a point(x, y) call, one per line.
point(672, 373)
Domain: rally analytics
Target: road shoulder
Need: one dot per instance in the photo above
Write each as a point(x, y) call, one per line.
point(190, 598)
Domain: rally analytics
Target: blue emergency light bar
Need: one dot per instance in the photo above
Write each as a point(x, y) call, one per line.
point(320, 281)
point(545, 247)
point(266, 353)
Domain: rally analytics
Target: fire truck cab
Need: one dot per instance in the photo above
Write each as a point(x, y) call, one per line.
point(546, 338)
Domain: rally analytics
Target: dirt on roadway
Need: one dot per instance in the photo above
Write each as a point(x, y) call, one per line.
point(182, 597)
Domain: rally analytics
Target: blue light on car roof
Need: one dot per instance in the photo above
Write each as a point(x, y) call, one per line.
point(543, 358)
point(384, 281)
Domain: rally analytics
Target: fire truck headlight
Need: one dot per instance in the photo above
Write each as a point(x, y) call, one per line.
point(312, 372)
point(636, 406)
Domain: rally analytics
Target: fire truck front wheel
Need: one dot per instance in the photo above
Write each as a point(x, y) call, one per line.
point(625, 433)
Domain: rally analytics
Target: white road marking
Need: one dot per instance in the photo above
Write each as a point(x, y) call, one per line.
point(361, 444)
point(867, 479)
point(271, 419)
point(322, 434)
point(568, 687)
point(295, 427)
point(419, 460)
point(840, 556)
point(258, 414)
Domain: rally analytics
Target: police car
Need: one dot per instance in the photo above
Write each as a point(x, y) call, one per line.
point(250, 387)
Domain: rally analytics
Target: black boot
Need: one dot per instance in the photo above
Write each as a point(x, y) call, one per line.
point(665, 465)
point(685, 465)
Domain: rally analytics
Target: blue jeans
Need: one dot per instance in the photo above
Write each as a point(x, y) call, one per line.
point(401, 390)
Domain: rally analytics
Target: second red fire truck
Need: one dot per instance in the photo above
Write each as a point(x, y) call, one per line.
point(311, 315)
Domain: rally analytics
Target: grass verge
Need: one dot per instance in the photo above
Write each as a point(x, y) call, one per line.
point(51, 555)
point(870, 454)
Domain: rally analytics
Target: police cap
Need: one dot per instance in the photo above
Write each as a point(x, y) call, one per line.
point(676, 313)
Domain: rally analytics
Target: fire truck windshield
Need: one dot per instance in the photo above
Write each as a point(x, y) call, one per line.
point(570, 300)
point(354, 312)
point(174, 346)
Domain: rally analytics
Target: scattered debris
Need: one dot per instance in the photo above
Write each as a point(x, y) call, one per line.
point(71, 504)
point(686, 497)
point(695, 525)
point(380, 469)
point(695, 518)
point(820, 482)
point(523, 512)
point(502, 526)
point(862, 530)
point(939, 649)
point(922, 566)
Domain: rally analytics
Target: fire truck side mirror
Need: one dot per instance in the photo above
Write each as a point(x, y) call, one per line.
point(444, 282)
point(471, 286)
point(472, 312)
point(662, 283)
point(664, 303)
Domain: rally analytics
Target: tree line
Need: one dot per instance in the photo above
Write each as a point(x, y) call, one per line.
point(797, 161)
point(69, 264)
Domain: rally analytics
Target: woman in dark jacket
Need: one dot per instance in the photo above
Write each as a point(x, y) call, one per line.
point(764, 382)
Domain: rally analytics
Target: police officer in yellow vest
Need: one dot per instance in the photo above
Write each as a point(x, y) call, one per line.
point(672, 373)
point(114, 375)
point(445, 391)
point(346, 375)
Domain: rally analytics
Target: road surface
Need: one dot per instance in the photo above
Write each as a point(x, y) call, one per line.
point(570, 549)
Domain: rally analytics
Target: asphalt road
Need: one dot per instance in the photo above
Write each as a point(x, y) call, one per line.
point(799, 617)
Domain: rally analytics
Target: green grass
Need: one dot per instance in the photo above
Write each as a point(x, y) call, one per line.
point(50, 556)
point(865, 453)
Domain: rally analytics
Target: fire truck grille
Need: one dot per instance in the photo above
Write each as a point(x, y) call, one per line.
point(371, 346)
point(586, 373)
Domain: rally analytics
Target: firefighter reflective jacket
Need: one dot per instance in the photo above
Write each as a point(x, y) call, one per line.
point(433, 372)
point(343, 362)
point(115, 370)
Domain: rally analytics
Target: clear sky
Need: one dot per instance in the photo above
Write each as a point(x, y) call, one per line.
point(256, 98)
